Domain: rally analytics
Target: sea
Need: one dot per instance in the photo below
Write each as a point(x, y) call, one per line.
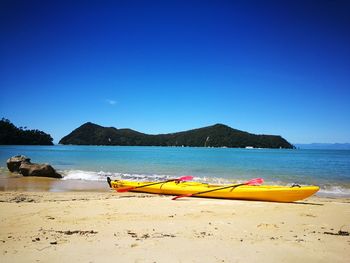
point(329, 169)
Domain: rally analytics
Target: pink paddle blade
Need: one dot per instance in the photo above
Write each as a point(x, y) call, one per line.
point(180, 196)
point(185, 178)
point(123, 190)
point(256, 181)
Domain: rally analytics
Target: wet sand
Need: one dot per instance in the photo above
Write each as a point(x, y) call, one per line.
point(42, 226)
point(16, 182)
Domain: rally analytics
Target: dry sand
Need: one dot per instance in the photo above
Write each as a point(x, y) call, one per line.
point(112, 227)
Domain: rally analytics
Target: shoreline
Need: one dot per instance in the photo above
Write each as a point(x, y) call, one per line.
point(15, 182)
point(134, 227)
point(35, 184)
point(327, 169)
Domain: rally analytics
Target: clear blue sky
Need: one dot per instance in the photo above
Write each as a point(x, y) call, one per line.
point(272, 67)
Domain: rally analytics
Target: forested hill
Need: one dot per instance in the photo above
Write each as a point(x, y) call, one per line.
point(218, 135)
point(11, 135)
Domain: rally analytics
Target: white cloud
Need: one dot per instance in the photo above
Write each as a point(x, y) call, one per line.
point(111, 102)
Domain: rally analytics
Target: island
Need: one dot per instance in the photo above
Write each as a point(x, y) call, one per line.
point(12, 135)
point(218, 135)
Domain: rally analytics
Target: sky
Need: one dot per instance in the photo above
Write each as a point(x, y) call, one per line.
point(266, 67)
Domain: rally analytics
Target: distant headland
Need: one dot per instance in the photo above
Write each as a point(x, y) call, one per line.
point(218, 135)
point(11, 135)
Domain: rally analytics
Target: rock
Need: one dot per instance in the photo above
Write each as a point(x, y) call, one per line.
point(33, 169)
point(21, 164)
point(15, 162)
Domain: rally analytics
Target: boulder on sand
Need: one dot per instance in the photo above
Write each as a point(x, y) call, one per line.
point(15, 162)
point(21, 164)
point(34, 169)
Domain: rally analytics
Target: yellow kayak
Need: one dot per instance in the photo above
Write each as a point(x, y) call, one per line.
point(272, 193)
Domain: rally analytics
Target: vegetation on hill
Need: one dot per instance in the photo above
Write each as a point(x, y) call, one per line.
point(11, 135)
point(218, 135)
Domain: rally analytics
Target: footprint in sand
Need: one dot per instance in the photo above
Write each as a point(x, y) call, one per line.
point(263, 225)
point(308, 215)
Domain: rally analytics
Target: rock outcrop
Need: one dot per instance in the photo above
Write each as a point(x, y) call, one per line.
point(22, 165)
point(15, 162)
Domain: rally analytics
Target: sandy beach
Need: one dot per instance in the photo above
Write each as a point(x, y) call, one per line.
point(112, 227)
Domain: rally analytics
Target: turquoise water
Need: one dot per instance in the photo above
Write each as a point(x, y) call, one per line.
point(329, 169)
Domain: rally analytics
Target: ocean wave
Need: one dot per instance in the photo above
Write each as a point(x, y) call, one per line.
point(101, 176)
point(325, 191)
point(334, 191)
point(85, 175)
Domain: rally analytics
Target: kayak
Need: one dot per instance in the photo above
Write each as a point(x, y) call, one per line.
point(271, 193)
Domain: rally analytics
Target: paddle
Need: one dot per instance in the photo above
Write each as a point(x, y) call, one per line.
point(183, 178)
point(255, 181)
